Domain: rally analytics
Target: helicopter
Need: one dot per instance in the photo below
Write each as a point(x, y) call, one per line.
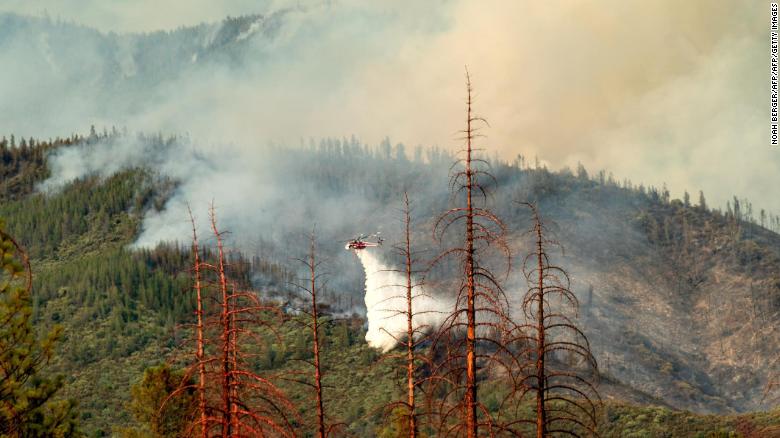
point(361, 242)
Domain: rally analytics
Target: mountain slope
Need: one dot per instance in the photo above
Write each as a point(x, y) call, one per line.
point(679, 298)
point(675, 298)
point(67, 75)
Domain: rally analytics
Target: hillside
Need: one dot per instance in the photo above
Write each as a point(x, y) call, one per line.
point(124, 75)
point(676, 298)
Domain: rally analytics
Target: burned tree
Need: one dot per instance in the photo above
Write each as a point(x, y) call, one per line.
point(251, 404)
point(311, 287)
point(565, 397)
point(415, 333)
point(412, 338)
point(469, 340)
point(199, 342)
point(233, 401)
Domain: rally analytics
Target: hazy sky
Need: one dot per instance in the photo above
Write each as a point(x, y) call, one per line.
point(136, 15)
point(655, 91)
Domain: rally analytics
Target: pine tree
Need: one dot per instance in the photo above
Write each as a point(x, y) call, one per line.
point(27, 408)
point(566, 398)
point(481, 307)
point(404, 415)
point(314, 323)
point(148, 395)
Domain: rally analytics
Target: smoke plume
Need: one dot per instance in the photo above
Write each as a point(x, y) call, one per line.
point(674, 97)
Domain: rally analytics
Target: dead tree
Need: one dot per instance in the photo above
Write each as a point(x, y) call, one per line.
point(227, 337)
point(199, 348)
point(565, 397)
point(251, 404)
point(416, 332)
point(233, 400)
point(411, 330)
point(311, 286)
point(468, 341)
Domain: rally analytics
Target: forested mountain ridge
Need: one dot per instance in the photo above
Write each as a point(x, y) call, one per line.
point(110, 77)
point(677, 299)
point(123, 57)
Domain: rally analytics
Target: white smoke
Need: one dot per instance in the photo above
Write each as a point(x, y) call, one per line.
point(677, 100)
point(386, 304)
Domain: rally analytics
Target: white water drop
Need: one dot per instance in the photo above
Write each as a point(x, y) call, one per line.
point(386, 301)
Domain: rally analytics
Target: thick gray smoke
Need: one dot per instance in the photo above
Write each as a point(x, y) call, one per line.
point(268, 202)
point(275, 194)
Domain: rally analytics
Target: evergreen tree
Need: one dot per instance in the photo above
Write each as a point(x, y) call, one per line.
point(149, 394)
point(27, 408)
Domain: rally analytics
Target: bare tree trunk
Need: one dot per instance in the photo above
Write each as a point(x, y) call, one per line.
point(316, 340)
point(199, 334)
point(471, 358)
point(310, 286)
point(541, 411)
point(410, 381)
point(462, 333)
point(575, 411)
point(479, 290)
point(226, 320)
